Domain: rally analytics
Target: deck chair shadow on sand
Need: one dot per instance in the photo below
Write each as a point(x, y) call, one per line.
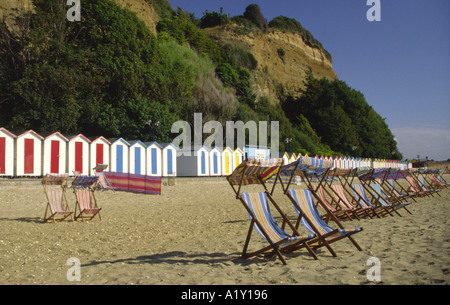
point(305, 202)
point(86, 207)
point(57, 208)
point(257, 206)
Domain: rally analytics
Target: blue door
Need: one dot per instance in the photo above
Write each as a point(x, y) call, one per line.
point(119, 155)
point(169, 162)
point(215, 163)
point(154, 162)
point(137, 160)
point(203, 161)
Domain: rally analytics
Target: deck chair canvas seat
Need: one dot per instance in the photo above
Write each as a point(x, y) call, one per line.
point(357, 207)
point(253, 171)
point(310, 218)
point(341, 211)
point(382, 198)
point(57, 208)
point(86, 207)
point(415, 188)
point(263, 221)
point(379, 207)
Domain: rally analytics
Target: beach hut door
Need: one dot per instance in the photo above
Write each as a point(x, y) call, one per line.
point(54, 157)
point(79, 157)
point(137, 160)
point(2, 155)
point(99, 156)
point(28, 156)
point(169, 162)
point(216, 170)
point(154, 162)
point(227, 163)
point(119, 160)
point(203, 163)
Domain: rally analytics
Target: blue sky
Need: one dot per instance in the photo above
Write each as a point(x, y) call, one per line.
point(401, 64)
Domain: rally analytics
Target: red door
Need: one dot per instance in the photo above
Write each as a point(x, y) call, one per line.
point(28, 156)
point(2, 155)
point(54, 157)
point(79, 157)
point(99, 157)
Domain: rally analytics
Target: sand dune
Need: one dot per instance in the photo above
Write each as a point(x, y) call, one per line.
point(193, 234)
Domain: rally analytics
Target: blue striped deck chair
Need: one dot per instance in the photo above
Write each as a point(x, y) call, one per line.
point(265, 224)
point(86, 207)
point(426, 188)
point(374, 203)
point(384, 200)
point(398, 193)
point(310, 218)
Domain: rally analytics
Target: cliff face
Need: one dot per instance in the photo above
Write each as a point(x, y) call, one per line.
point(287, 71)
point(283, 58)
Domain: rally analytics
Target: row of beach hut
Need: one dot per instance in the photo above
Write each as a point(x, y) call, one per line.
point(31, 154)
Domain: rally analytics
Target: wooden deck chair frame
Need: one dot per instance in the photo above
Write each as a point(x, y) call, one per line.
point(86, 207)
point(386, 189)
point(57, 208)
point(343, 197)
point(322, 240)
point(345, 192)
point(103, 183)
point(414, 185)
point(404, 192)
point(280, 247)
point(427, 185)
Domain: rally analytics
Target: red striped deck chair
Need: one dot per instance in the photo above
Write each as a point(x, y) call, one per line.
point(437, 182)
point(309, 217)
point(415, 188)
point(57, 208)
point(340, 211)
point(86, 207)
point(357, 207)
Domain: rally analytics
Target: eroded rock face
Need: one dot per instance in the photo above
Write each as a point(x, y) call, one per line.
point(288, 71)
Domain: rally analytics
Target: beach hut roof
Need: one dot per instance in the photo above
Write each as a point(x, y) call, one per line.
point(114, 140)
point(135, 142)
point(47, 135)
point(21, 133)
point(74, 136)
point(8, 132)
point(99, 138)
point(148, 144)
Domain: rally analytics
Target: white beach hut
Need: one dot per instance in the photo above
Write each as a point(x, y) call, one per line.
point(194, 162)
point(215, 164)
point(54, 154)
point(137, 157)
point(78, 154)
point(29, 154)
point(120, 150)
point(7, 152)
point(99, 152)
point(227, 161)
point(154, 159)
point(169, 158)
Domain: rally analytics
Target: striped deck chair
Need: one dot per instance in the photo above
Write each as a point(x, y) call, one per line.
point(263, 221)
point(377, 206)
point(428, 188)
point(340, 211)
point(310, 218)
point(415, 188)
point(437, 183)
point(86, 204)
point(395, 192)
point(384, 201)
point(358, 208)
point(57, 208)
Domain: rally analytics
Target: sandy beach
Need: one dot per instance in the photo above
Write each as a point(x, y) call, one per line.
point(193, 233)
